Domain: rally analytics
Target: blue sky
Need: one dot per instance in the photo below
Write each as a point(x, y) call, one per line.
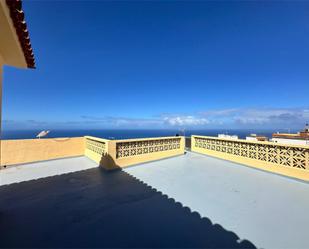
point(162, 65)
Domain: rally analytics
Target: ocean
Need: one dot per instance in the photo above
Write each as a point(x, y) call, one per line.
point(124, 134)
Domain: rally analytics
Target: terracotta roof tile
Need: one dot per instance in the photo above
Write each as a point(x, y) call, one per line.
point(18, 18)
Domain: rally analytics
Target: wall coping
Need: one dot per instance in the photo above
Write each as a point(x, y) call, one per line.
point(252, 142)
point(131, 139)
point(42, 139)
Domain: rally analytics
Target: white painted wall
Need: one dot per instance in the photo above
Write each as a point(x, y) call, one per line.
point(290, 141)
point(227, 136)
point(254, 139)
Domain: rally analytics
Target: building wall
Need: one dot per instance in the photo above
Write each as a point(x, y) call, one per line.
point(30, 150)
point(251, 139)
point(227, 136)
point(290, 141)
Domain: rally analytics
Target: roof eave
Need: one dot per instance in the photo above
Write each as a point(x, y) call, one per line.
point(18, 19)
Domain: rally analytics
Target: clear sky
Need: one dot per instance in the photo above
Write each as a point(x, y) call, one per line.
point(162, 64)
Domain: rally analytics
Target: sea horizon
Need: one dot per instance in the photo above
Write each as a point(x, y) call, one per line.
point(133, 133)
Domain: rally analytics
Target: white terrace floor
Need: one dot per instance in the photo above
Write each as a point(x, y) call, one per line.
point(269, 210)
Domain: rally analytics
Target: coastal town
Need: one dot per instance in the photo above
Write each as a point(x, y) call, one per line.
point(299, 138)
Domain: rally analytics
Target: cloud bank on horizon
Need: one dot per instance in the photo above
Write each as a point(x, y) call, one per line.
point(234, 118)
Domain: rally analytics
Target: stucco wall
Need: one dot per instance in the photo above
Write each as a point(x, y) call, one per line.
point(31, 150)
point(111, 154)
point(288, 160)
point(137, 158)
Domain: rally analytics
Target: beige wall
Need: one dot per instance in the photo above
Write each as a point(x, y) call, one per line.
point(10, 48)
point(288, 160)
point(1, 77)
point(96, 148)
point(31, 150)
point(110, 154)
point(113, 154)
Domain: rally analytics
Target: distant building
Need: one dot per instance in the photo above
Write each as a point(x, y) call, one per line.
point(300, 138)
point(255, 137)
point(227, 136)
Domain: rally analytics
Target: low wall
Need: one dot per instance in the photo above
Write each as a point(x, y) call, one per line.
point(289, 160)
point(31, 150)
point(96, 148)
point(113, 154)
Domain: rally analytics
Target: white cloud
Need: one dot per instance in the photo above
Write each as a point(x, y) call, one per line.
point(123, 122)
point(186, 121)
point(266, 117)
point(163, 121)
point(222, 118)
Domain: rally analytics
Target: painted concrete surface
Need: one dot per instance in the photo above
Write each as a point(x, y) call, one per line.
point(43, 169)
point(269, 210)
point(98, 209)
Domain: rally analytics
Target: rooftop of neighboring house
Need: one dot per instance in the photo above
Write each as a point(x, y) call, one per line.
point(304, 134)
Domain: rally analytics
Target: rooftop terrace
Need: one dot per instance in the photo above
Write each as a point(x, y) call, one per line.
point(81, 192)
point(190, 200)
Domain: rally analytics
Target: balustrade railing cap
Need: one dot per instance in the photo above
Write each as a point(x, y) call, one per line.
point(252, 142)
point(97, 139)
point(147, 139)
point(131, 139)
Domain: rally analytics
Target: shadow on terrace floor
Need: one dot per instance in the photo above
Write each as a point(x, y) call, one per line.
point(94, 208)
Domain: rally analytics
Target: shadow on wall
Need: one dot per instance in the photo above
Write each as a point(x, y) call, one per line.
point(96, 208)
point(108, 163)
point(188, 143)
